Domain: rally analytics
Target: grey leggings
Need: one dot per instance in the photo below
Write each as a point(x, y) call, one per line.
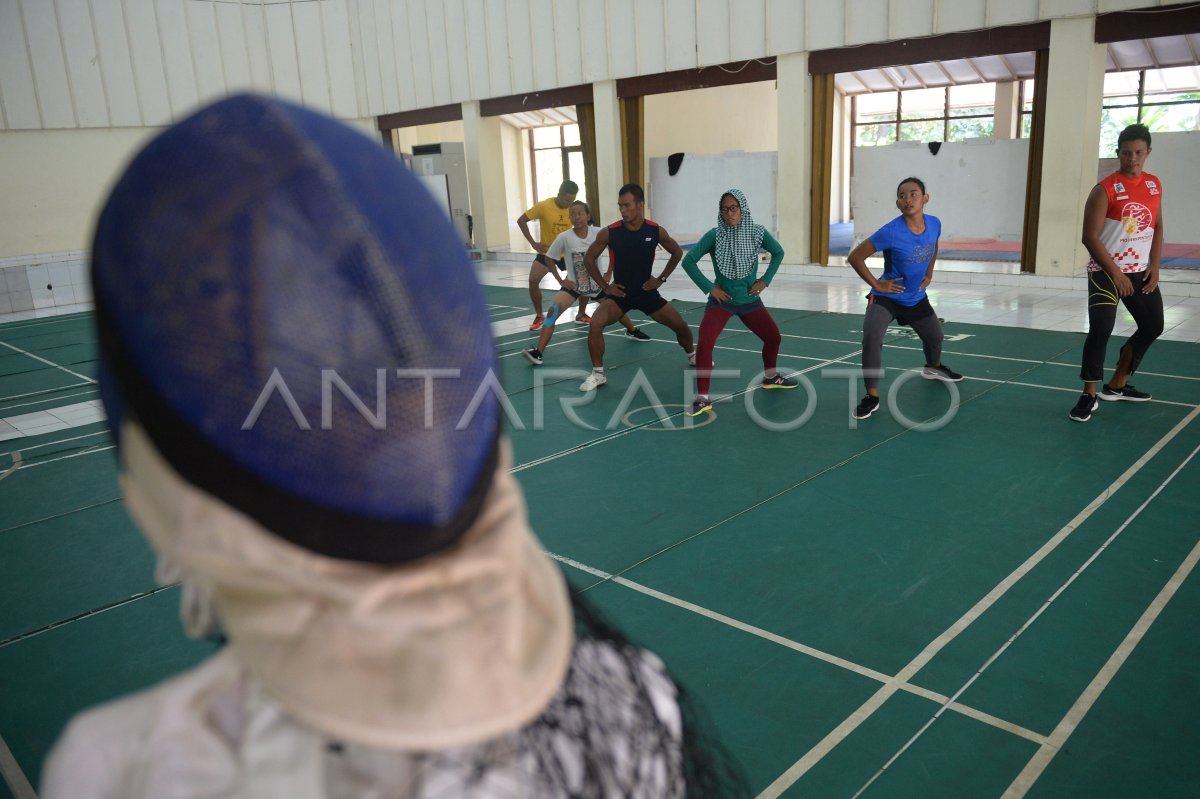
point(875, 325)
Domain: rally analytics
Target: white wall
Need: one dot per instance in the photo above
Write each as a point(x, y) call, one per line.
point(1176, 160)
point(714, 129)
point(515, 143)
point(55, 183)
point(686, 203)
point(708, 121)
point(977, 188)
point(405, 138)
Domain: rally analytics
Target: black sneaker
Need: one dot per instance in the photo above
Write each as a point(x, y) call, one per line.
point(867, 407)
point(1083, 409)
point(778, 381)
point(533, 356)
point(940, 372)
point(636, 334)
point(1126, 392)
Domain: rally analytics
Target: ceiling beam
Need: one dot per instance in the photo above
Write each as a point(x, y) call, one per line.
point(532, 101)
point(684, 80)
point(1120, 26)
point(1009, 39)
point(422, 116)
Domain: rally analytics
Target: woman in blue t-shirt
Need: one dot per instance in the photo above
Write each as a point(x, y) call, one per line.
point(909, 244)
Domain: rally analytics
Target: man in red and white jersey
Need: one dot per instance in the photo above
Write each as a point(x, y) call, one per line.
point(1123, 232)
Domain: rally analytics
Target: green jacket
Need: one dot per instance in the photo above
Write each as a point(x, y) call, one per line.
point(738, 290)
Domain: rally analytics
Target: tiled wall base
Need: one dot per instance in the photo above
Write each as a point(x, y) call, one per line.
point(48, 280)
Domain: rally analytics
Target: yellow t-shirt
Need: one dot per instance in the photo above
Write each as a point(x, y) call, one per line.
point(552, 219)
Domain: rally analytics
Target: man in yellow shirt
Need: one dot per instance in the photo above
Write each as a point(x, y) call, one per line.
point(553, 217)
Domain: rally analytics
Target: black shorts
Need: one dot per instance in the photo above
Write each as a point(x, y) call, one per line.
point(544, 260)
point(648, 302)
point(904, 314)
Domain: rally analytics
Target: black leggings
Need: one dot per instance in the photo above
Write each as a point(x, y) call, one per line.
point(1146, 310)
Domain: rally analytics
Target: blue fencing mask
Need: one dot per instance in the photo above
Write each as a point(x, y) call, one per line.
point(293, 321)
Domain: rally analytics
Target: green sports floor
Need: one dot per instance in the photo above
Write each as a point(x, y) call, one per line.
point(966, 595)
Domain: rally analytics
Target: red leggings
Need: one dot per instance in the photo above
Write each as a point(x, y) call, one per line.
point(715, 318)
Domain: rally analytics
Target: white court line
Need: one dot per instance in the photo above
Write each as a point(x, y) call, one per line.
point(804, 649)
point(981, 355)
point(25, 324)
point(1029, 623)
point(48, 363)
point(577, 330)
point(92, 394)
point(558, 339)
point(1141, 372)
point(11, 771)
point(515, 313)
point(905, 369)
point(60, 441)
point(918, 349)
point(626, 431)
point(1069, 390)
point(43, 391)
point(533, 334)
point(25, 466)
point(868, 708)
point(1041, 759)
point(620, 433)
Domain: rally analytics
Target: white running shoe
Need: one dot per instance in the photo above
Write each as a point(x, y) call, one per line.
point(593, 382)
point(691, 356)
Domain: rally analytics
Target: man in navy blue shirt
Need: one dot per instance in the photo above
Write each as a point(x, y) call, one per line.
point(632, 243)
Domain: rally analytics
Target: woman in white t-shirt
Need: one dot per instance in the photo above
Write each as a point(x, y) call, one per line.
point(571, 245)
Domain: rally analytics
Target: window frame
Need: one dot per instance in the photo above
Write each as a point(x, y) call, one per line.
point(945, 117)
point(564, 152)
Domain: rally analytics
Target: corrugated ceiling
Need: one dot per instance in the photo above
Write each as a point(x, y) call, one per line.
point(1135, 54)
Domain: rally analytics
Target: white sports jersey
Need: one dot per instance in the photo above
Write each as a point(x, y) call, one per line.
point(572, 248)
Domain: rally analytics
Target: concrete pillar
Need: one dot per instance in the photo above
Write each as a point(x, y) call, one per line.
point(793, 190)
point(1074, 94)
point(609, 172)
point(839, 195)
point(1008, 110)
point(485, 177)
